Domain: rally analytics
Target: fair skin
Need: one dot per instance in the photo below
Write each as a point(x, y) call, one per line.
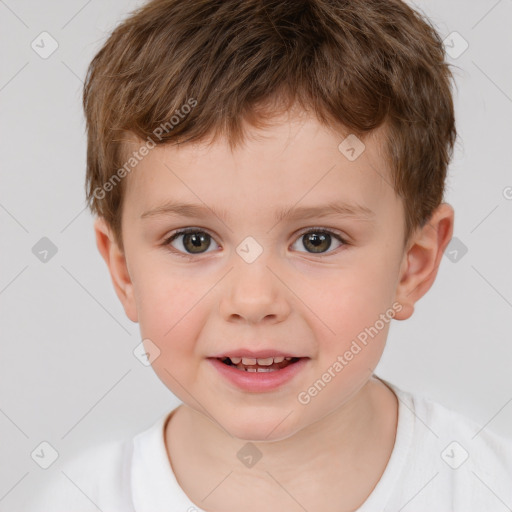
point(327, 454)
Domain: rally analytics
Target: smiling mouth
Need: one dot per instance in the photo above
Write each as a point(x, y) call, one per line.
point(270, 364)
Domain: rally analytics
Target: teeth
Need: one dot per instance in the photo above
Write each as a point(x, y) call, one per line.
point(258, 370)
point(252, 364)
point(251, 361)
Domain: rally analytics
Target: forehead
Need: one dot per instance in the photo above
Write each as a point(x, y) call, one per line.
point(295, 161)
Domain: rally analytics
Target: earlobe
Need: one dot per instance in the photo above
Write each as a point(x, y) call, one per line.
point(117, 266)
point(422, 259)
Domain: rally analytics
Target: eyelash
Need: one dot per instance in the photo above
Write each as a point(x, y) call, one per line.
point(177, 233)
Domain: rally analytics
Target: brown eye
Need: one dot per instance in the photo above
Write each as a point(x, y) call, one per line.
point(190, 241)
point(318, 241)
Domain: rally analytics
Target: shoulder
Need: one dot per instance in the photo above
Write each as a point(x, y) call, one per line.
point(94, 479)
point(460, 462)
point(446, 422)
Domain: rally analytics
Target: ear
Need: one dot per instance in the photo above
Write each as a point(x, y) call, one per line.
point(116, 263)
point(422, 259)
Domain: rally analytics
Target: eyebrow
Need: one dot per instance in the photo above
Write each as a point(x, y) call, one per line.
point(355, 210)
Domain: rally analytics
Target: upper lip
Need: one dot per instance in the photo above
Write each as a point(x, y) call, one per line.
point(254, 354)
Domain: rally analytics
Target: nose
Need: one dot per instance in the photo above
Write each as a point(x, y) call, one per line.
point(254, 293)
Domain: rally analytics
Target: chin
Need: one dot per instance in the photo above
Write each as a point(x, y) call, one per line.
point(257, 428)
point(256, 435)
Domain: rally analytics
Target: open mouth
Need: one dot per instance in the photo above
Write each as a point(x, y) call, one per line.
point(269, 364)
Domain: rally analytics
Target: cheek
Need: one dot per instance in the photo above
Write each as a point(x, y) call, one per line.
point(163, 297)
point(349, 299)
point(168, 316)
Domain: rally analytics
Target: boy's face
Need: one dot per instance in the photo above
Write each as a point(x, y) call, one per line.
point(306, 294)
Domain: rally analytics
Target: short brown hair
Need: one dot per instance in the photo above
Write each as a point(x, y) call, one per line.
point(358, 64)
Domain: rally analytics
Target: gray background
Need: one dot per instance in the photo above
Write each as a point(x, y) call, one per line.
point(68, 375)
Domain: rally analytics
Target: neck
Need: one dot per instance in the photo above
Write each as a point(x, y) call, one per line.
point(344, 449)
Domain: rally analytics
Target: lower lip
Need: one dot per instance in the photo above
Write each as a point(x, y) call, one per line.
point(258, 381)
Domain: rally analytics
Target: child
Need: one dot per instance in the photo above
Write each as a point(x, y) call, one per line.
point(268, 181)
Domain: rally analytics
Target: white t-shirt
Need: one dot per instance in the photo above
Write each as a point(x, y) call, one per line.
point(441, 461)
